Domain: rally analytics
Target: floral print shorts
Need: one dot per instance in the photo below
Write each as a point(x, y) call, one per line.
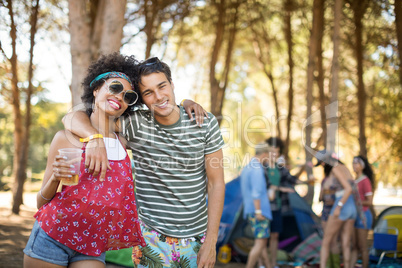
point(165, 251)
point(260, 229)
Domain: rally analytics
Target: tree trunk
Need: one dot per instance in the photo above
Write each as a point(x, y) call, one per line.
point(288, 34)
point(262, 46)
point(21, 135)
point(18, 127)
point(150, 13)
point(276, 102)
point(359, 8)
point(96, 27)
point(320, 78)
point(218, 87)
point(333, 106)
point(80, 45)
point(113, 23)
point(398, 23)
point(214, 84)
point(313, 45)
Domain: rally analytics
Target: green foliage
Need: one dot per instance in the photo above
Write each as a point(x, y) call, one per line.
point(46, 121)
point(196, 248)
point(6, 140)
point(150, 258)
point(184, 263)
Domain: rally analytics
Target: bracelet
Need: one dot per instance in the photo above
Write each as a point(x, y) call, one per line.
point(94, 136)
point(47, 199)
point(181, 103)
point(340, 204)
point(258, 211)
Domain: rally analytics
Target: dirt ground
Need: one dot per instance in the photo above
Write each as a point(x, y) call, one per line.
point(14, 233)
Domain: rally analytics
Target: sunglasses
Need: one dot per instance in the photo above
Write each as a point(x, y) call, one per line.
point(116, 87)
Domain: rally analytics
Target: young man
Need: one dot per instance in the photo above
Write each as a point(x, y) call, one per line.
point(173, 158)
point(256, 204)
point(279, 176)
point(284, 182)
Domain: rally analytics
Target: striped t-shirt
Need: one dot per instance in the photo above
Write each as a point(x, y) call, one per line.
point(170, 173)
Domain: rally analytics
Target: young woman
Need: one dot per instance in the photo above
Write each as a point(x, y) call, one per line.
point(327, 196)
point(343, 213)
point(364, 180)
point(76, 226)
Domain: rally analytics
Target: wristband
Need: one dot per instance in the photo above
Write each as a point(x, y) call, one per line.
point(181, 103)
point(340, 204)
point(258, 211)
point(94, 136)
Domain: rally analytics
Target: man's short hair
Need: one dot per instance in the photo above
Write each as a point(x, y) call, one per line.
point(261, 148)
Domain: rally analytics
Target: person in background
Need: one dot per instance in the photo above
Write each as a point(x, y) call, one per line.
point(173, 158)
point(279, 176)
point(365, 181)
point(256, 205)
point(75, 227)
point(343, 214)
point(327, 196)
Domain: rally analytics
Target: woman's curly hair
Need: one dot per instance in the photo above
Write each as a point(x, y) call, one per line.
point(114, 62)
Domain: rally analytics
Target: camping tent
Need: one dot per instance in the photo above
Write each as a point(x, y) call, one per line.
point(394, 210)
point(299, 222)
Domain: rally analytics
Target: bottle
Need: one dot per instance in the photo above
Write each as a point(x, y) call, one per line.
point(225, 254)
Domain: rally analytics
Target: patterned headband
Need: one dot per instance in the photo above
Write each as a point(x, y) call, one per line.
point(111, 75)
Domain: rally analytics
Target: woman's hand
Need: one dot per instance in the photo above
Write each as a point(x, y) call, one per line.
point(272, 192)
point(274, 188)
point(199, 112)
point(62, 169)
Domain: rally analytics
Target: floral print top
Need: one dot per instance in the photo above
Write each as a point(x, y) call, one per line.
point(94, 216)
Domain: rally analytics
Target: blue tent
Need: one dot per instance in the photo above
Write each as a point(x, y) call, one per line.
point(299, 221)
point(232, 211)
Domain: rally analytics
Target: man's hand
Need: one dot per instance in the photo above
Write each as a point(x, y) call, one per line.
point(207, 255)
point(259, 217)
point(96, 158)
point(199, 112)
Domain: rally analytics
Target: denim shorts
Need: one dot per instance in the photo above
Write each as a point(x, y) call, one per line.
point(369, 221)
point(260, 229)
point(348, 210)
point(41, 246)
